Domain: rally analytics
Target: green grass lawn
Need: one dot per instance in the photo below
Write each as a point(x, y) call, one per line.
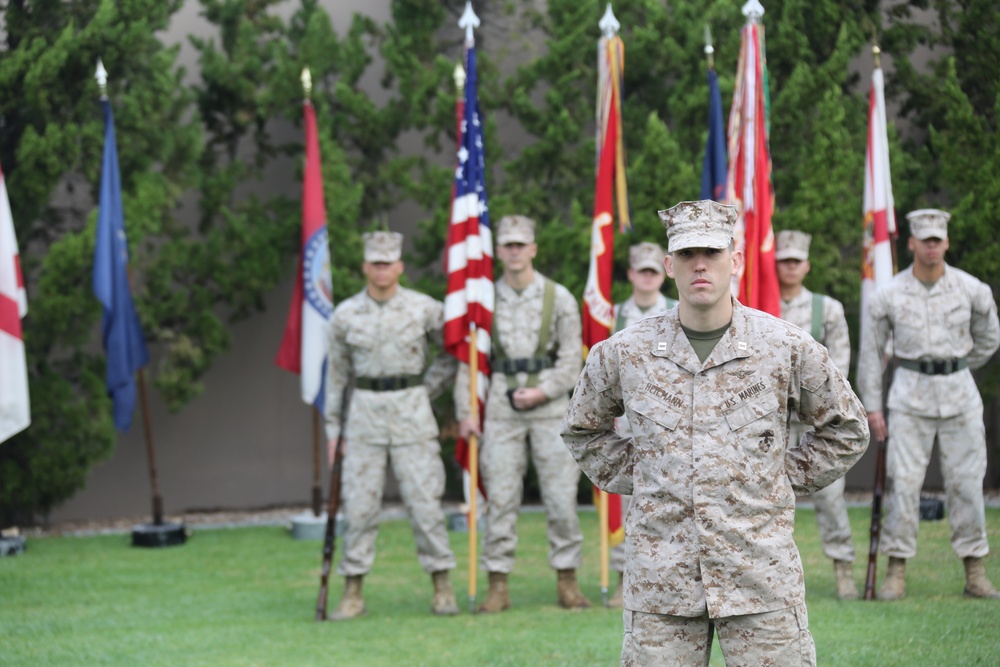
point(247, 596)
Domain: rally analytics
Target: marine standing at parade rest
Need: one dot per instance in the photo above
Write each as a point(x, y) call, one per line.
point(379, 348)
point(708, 388)
point(942, 323)
point(537, 354)
point(823, 318)
point(646, 275)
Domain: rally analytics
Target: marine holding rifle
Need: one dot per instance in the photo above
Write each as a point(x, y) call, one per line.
point(942, 323)
point(823, 318)
point(537, 355)
point(379, 348)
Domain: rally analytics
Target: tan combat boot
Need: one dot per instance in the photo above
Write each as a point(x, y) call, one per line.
point(615, 601)
point(570, 596)
point(443, 603)
point(976, 583)
point(498, 595)
point(846, 590)
point(894, 586)
point(351, 604)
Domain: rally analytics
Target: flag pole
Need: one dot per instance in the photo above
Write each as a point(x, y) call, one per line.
point(459, 76)
point(470, 21)
point(147, 429)
point(159, 533)
point(709, 49)
point(317, 485)
point(473, 519)
point(101, 75)
point(609, 27)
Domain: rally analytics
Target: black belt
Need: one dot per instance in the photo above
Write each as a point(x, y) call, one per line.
point(935, 366)
point(524, 365)
point(390, 383)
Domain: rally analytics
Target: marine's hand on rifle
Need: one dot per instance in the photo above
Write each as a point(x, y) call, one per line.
point(876, 424)
point(467, 427)
point(331, 450)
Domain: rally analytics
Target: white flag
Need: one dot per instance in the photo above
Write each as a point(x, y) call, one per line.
point(15, 411)
point(879, 208)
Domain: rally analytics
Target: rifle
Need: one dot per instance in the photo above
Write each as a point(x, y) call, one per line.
point(875, 532)
point(330, 537)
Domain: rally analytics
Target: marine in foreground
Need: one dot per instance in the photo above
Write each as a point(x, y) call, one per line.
point(707, 389)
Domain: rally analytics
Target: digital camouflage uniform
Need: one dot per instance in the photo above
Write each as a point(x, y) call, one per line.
point(389, 340)
point(709, 546)
point(831, 509)
point(954, 319)
point(626, 314)
point(503, 458)
point(710, 468)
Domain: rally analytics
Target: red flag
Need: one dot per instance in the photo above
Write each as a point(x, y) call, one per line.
point(879, 208)
point(749, 181)
point(304, 346)
point(610, 182)
point(468, 304)
point(15, 409)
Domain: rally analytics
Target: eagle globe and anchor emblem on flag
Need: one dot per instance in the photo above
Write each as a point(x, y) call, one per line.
point(316, 273)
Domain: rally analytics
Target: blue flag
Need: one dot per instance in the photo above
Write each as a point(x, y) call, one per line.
point(713, 171)
point(124, 344)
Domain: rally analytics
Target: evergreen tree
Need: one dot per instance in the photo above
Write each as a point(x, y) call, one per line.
point(51, 138)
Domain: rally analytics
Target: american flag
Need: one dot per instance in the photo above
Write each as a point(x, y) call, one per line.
point(469, 303)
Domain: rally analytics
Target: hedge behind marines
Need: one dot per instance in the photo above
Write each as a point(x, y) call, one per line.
point(379, 347)
point(943, 323)
point(707, 388)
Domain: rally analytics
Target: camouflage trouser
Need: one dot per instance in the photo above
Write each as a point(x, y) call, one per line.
point(772, 638)
point(618, 552)
point(834, 525)
point(962, 447)
point(420, 472)
point(504, 462)
point(831, 511)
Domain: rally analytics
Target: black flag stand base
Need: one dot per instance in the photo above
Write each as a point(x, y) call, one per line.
point(160, 533)
point(11, 544)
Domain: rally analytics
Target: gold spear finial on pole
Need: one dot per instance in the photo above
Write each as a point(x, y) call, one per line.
point(709, 49)
point(307, 82)
point(877, 53)
point(102, 79)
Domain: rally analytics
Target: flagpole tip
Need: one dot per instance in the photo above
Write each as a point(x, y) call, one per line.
point(608, 24)
point(469, 21)
point(709, 49)
point(101, 75)
point(307, 82)
point(753, 10)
